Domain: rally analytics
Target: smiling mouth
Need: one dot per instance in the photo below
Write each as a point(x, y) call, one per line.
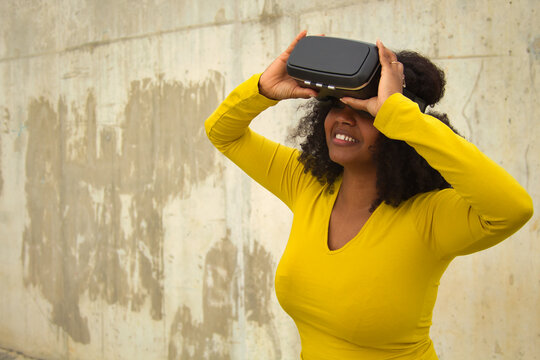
point(346, 138)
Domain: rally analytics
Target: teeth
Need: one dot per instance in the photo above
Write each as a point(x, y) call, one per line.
point(345, 138)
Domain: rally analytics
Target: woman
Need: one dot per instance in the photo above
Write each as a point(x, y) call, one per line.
point(360, 272)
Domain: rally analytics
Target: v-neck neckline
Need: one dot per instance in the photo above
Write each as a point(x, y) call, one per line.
point(328, 216)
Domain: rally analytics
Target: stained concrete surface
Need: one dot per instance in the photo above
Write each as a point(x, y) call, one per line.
point(125, 235)
point(12, 355)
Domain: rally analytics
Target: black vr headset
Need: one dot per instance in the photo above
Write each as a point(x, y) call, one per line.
point(339, 67)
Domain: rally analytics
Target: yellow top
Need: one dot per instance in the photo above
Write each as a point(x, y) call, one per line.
point(373, 298)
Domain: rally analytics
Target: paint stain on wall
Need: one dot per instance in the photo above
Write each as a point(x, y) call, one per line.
point(96, 194)
point(534, 48)
point(209, 339)
point(2, 134)
point(259, 286)
point(259, 273)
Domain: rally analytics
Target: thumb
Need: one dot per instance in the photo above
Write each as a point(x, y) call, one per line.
point(368, 105)
point(304, 93)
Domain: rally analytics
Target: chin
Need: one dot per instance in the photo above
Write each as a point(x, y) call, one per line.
point(341, 160)
point(352, 162)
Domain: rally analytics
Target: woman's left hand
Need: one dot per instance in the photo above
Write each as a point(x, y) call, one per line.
point(392, 81)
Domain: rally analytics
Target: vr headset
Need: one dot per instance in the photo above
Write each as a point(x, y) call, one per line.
point(339, 67)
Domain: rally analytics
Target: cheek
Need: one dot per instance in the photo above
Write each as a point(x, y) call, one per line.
point(369, 131)
point(374, 135)
point(327, 127)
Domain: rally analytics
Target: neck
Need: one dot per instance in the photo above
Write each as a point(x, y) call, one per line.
point(358, 189)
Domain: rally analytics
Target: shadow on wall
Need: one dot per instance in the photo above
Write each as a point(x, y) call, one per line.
point(96, 194)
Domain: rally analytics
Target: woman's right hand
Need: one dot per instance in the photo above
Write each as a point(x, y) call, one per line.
point(276, 84)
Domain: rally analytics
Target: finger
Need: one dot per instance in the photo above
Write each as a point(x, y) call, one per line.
point(304, 93)
point(382, 57)
point(386, 56)
point(388, 60)
point(299, 37)
point(396, 65)
point(368, 105)
point(357, 104)
point(389, 54)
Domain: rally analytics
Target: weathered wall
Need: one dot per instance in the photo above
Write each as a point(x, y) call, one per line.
point(124, 235)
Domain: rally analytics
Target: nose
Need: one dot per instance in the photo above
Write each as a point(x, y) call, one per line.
point(345, 115)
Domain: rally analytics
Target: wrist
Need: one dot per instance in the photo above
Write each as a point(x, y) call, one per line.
point(263, 92)
point(260, 87)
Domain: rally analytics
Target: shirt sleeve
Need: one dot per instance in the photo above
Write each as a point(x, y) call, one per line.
point(485, 204)
point(274, 166)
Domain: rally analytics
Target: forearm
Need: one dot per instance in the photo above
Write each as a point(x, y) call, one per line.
point(274, 166)
point(497, 198)
point(230, 121)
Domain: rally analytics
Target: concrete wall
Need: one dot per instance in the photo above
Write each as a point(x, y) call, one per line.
point(124, 235)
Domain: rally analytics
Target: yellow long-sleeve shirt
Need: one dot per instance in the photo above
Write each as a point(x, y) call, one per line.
point(373, 298)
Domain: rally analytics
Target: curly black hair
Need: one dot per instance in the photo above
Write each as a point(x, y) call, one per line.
point(401, 171)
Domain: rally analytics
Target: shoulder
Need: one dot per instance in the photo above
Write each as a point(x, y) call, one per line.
point(427, 203)
point(309, 187)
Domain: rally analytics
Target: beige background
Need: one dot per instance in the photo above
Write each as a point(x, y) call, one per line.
point(124, 235)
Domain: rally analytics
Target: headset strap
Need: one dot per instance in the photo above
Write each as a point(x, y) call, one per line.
point(421, 103)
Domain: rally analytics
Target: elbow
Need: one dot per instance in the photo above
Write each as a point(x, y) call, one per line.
point(208, 128)
point(522, 212)
point(216, 135)
point(528, 210)
point(211, 133)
